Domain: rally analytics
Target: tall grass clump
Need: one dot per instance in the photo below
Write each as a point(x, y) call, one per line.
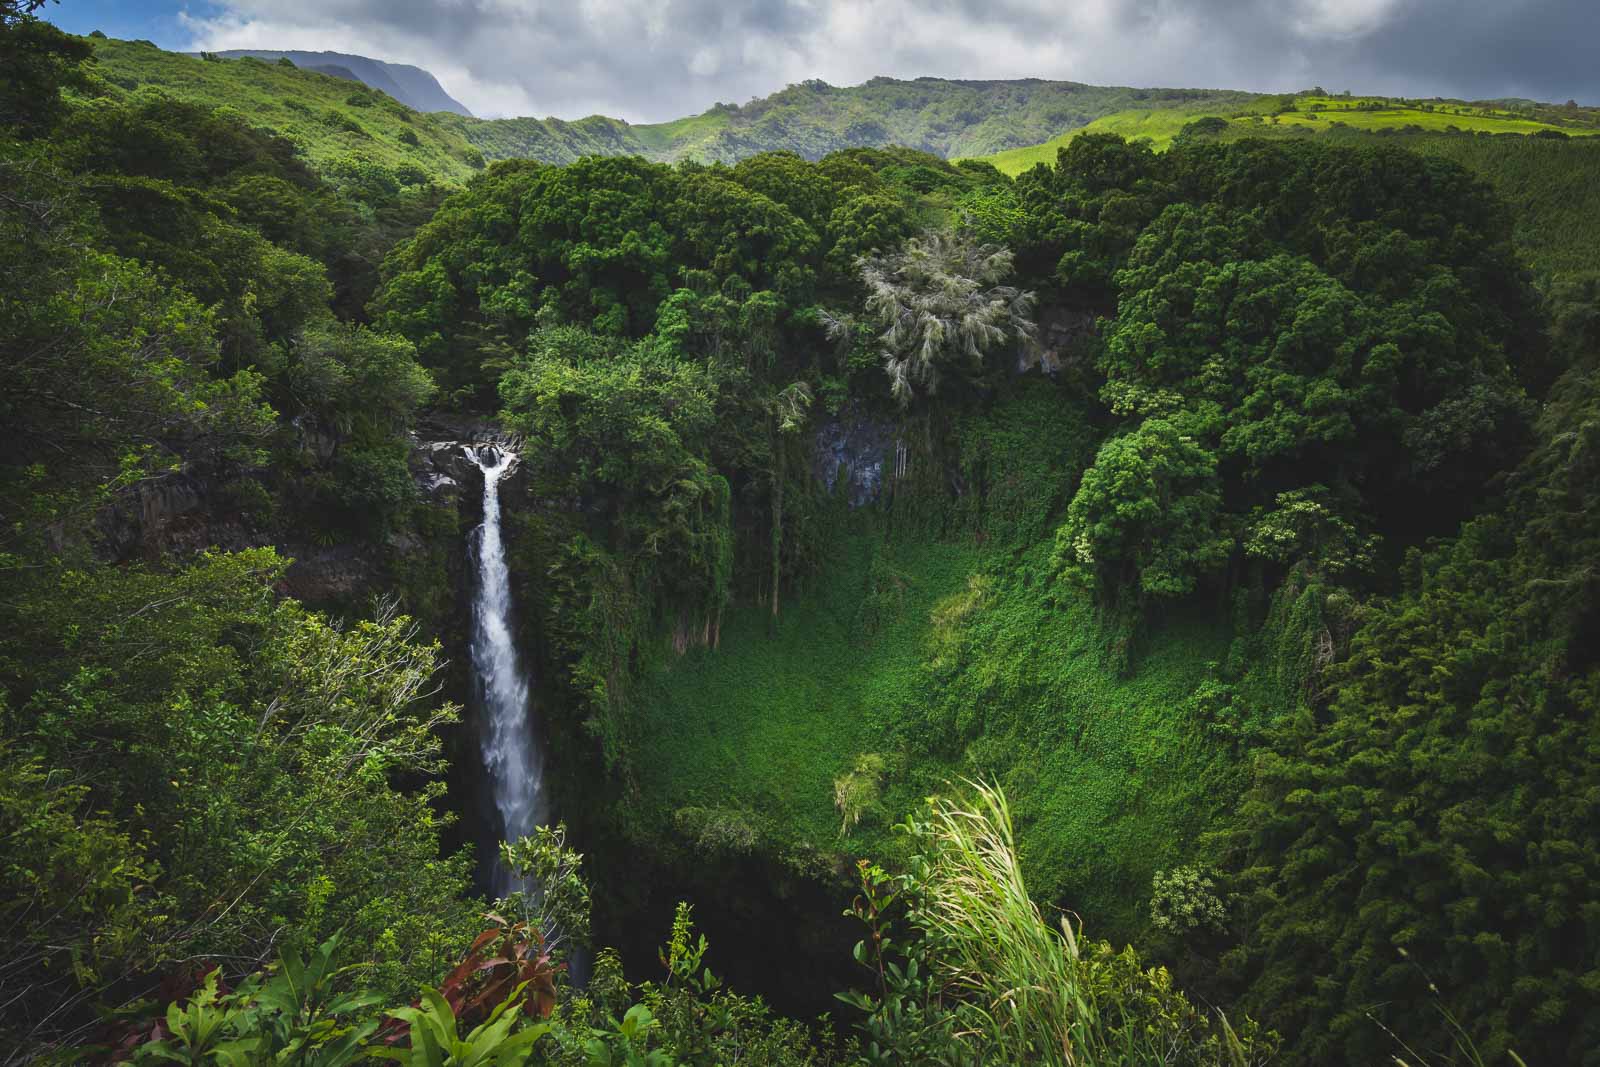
point(991, 946)
point(1025, 990)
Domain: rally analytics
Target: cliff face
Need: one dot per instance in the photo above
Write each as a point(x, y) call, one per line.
point(856, 449)
point(190, 511)
point(438, 459)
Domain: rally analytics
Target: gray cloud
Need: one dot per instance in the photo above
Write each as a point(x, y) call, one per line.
point(649, 60)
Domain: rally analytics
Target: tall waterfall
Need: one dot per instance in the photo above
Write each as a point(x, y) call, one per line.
point(510, 748)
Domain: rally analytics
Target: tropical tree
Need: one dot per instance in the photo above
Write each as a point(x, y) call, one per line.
point(1146, 515)
point(199, 769)
point(942, 308)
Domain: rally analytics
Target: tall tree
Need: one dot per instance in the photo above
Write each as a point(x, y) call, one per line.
point(941, 304)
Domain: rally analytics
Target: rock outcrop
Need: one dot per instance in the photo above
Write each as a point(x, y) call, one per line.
point(184, 513)
point(858, 449)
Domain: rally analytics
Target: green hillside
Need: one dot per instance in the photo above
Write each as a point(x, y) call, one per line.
point(329, 118)
point(549, 140)
point(1160, 125)
point(1318, 113)
point(1013, 124)
point(1008, 123)
point(1543, 160)
point(760, 730)
point(1383, 113)
point(946, 118)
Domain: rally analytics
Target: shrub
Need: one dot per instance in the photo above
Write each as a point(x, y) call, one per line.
point(857, 790)
point(1207, 126)
point(335, 119)
point(374, 485)
point(949, 618)
point(1185, 899)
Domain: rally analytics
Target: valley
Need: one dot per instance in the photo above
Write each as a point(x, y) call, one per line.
point(928, 571)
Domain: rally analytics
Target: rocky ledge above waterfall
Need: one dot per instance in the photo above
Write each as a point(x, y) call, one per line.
point(439, 462)
point(186, 512)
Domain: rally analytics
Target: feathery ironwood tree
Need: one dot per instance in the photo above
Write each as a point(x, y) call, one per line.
point(942, 308)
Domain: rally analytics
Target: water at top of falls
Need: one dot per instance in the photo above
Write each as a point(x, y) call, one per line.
point(507, 737)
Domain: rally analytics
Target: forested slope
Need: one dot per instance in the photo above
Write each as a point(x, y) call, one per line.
point(1313, 112)
point(1552, 185)
point(936, 115)
point(1117, 590)
point(330, 121)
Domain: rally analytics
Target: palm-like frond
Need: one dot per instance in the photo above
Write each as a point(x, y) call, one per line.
point(940, 303)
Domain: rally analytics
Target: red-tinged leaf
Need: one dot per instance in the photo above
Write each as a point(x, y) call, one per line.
point(464, 970)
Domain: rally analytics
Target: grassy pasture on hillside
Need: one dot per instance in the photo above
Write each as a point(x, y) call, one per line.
point(689, 130)
point(1312, 114)
point(1377, 113)
point(1160, 125)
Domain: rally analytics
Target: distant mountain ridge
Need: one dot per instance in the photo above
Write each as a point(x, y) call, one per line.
point(1014, 124)
point(947, 117)
point(412, 86)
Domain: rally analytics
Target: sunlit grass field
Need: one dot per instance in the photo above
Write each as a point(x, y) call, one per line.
point(1160, 125)
point(1315, 114)
point(1377, 113)
point(690, 130)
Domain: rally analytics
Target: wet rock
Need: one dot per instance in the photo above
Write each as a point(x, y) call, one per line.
point(1062, 334)
point(857, 448)
point(320, 441)
point(440, 470)
point(172, 514)
point(439, 462)
point(184, 513)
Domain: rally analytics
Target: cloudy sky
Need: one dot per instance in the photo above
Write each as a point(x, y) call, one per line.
point(649, 60)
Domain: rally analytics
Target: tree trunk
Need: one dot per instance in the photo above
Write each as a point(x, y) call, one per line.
point(777, 518)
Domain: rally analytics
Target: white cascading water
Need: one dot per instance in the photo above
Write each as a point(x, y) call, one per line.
point(510, 749)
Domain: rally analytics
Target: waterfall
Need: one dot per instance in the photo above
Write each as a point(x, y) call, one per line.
point(511, 755)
